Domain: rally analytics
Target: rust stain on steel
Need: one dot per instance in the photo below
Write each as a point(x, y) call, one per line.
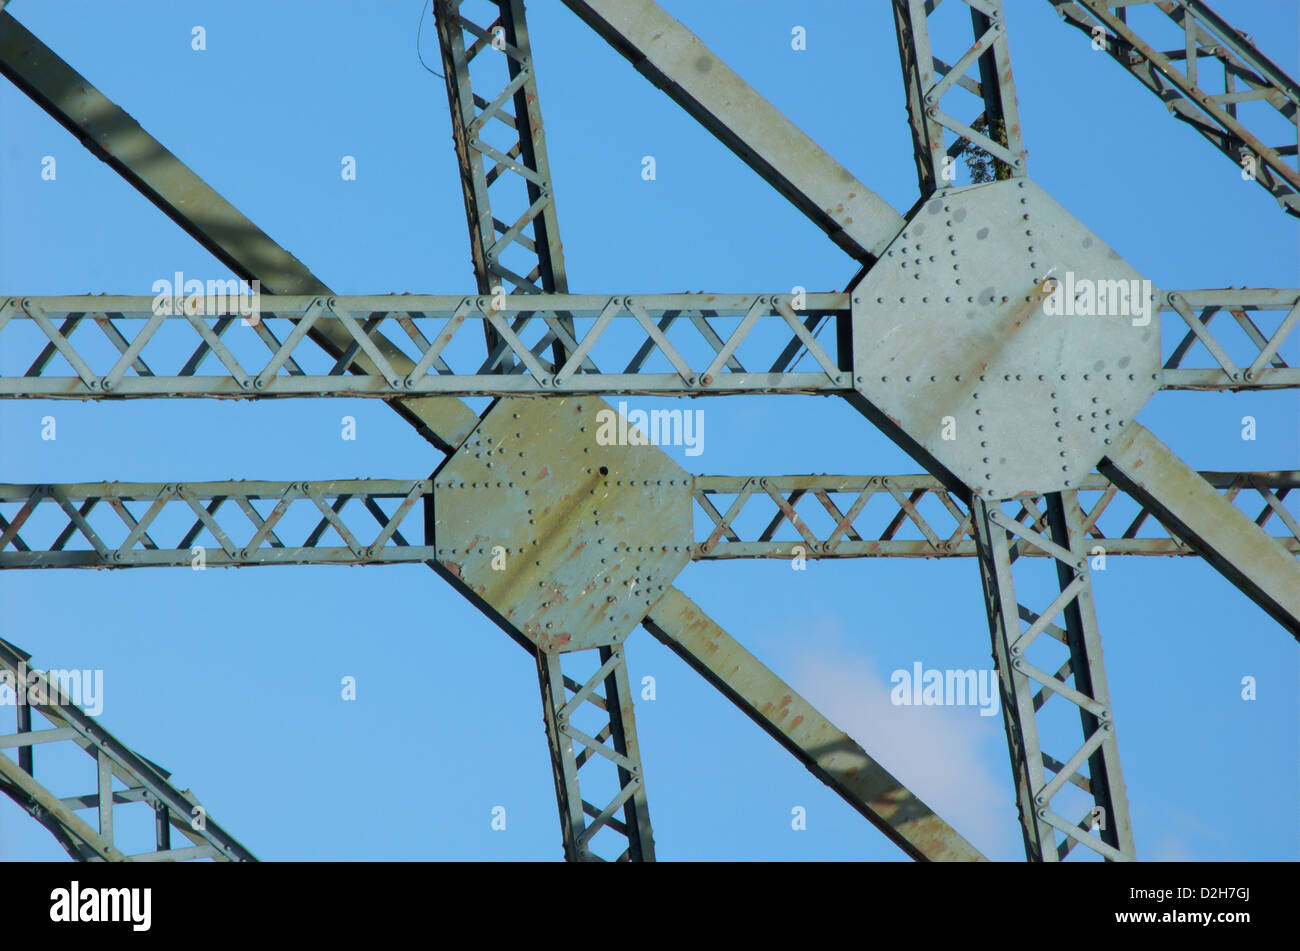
point(825, 750)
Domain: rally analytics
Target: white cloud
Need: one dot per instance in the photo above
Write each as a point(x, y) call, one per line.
point(951, 757)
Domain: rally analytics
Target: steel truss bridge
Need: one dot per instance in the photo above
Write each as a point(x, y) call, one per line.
point(1048, 464)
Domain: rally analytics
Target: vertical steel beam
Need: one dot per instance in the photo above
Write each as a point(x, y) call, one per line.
point(613, 745)
point(918, 79)
point(24, 725)
point(530, 227)
point(525, 163)
point(1027, 686)
point(928, 79)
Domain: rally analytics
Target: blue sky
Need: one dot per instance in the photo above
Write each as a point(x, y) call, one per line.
point(230, 678)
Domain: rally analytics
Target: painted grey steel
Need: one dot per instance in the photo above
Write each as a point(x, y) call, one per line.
point(118, 140)
point(825, 750)
point(121, 524)
point(110, 524)
point(568, 540)
point(145, 782)
point(1212, 49)
point(672, 344)
point(978, 387)
point(613, 748)
point(1032, 673)
point(567, 618)
point(518, 340)
point(1215, 369)
point(521, 253)
point(438, 420)
point(917, 516)
point(531, 231)
point(442, 422)
point(1222, 534)
point(939, 137)
point(662, 343)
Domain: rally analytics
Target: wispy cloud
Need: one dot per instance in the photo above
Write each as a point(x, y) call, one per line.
point(951, 757)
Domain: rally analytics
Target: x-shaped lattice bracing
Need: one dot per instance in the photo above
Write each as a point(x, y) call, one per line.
point(355, 521)
point(699, 343)
point(848, 212)
point(917, 516)
point(1261, 347)
point(1028, 682)
point(706, 344)
point(360, 521)
point(611, 746)
point(940, 137)
point(519, 176)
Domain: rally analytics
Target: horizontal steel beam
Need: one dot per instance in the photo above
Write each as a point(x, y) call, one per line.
point(110, 347)
point(915, 516)
point(378, 521)
point(666, 343)
point(344, 522)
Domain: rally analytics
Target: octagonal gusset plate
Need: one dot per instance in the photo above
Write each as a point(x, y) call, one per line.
point(570, 541)
point(1013, 382)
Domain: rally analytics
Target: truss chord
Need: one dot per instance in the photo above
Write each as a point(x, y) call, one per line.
point(637, 328)
point(762, 520)
point(144, 781)
point(1202, 514)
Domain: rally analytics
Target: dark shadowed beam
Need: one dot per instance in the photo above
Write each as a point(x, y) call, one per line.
point(118, 140)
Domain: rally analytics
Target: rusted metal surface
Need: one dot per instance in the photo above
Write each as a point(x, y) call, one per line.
point(1209, 48)
point(827, 752)
point(555, 546)
point(656, 343)
point(938, 136)
point(591, 832)
point(1034, 670)
point(202, 524)
point(916, 516)
point(678, 344)
point(567, 540)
